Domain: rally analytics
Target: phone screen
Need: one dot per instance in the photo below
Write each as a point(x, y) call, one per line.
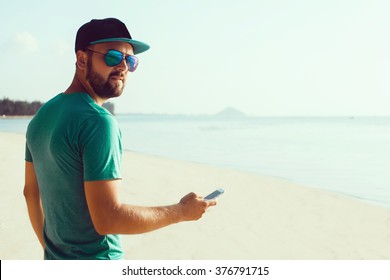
point(214, 194)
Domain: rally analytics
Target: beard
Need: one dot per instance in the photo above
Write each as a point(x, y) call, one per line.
point(104, 88)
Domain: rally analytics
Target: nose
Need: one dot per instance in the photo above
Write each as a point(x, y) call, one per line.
point(122, 66)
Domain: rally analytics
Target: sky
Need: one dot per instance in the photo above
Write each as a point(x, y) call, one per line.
point(263, 57)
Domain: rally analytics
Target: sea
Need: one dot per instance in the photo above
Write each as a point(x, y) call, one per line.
point(345, 155)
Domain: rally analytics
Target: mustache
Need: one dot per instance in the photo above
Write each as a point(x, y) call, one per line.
point(118, 73)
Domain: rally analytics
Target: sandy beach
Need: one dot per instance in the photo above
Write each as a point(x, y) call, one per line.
point(257, 217)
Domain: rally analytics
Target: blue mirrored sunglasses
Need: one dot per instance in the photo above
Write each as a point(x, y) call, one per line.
point(114, 57)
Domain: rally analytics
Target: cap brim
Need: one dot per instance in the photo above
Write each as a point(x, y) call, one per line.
point(138, 47)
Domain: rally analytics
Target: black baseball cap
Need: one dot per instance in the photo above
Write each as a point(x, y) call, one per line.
point(106, 30)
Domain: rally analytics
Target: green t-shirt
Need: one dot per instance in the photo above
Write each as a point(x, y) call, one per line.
point(72, 140)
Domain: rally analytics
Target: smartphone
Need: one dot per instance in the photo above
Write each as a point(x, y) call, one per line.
point(214, 194)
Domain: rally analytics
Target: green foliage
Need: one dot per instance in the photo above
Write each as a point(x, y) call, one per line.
point(109, 106)
point(18, 108)
point(23, 108)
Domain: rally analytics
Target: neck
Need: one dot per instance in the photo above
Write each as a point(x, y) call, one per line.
point(79, 84)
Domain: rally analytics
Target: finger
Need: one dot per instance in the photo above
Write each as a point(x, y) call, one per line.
point(191, 195)
point(211, 202)
point(188, 197)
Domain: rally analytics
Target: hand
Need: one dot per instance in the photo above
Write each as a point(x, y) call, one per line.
point(193, 206)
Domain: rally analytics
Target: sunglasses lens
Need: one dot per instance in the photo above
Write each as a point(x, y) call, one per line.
point(113, 58)
point(132, 62)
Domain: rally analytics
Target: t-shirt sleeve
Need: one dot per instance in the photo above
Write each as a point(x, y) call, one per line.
point(101, 148)
point(28, 156)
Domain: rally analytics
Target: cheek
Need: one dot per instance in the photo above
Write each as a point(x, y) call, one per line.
point(105, 75)
point(100, 68)
point(125, 79)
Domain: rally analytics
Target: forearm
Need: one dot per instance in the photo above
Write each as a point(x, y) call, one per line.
point(129, 219)
point(36, 216)
point(33, 200)
point(110, 216)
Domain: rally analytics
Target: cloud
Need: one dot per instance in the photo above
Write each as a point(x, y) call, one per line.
point(62, 46)
point(22, 43)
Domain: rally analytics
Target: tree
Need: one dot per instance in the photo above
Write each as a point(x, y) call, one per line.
point(23, 108)
point(18, 108)
point(109, 106)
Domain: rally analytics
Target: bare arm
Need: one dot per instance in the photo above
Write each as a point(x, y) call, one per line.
point(110, 216)
point(33, 200)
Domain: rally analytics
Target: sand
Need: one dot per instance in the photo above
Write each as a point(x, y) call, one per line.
point(257, 217)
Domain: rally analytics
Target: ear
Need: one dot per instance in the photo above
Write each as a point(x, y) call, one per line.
point(82, 59)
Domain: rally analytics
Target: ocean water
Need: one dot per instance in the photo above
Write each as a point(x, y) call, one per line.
point(349, 156)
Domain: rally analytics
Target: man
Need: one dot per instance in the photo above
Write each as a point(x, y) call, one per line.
point(73, 157)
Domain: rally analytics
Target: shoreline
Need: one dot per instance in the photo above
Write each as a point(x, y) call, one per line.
point(16, 116)
point(346, 183)
point(257, 217)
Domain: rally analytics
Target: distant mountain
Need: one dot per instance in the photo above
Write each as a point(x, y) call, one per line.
point(230, 113)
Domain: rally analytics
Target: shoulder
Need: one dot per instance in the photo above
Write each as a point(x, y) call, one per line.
point(100, 119)
point(99, 126)
point(82, 111)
